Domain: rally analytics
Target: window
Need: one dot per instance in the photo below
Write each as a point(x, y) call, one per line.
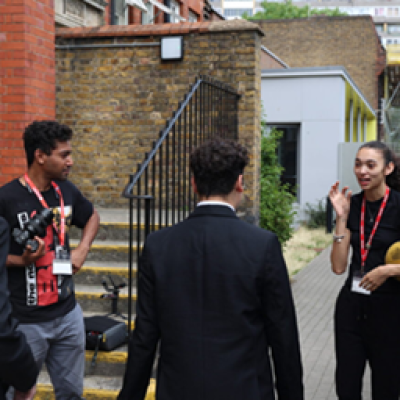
point(175, 11)
point(379, 28)
point(393, 28)
point(121, 13)
point(393, 12)
point(192, 17)
point(148, 18)
point(237, 12)
point(288, 154)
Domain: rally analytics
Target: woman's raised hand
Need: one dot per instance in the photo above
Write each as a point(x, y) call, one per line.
point(340, 200)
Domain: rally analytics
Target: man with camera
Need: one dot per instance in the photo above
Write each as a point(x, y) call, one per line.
point(40, 269)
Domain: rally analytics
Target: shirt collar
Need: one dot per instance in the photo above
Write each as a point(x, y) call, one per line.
point(215, 203)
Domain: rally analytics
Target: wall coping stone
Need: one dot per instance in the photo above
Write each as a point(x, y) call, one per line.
point(311, 18)
point(181, 28)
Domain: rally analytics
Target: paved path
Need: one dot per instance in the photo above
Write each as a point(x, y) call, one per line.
point(315, 289)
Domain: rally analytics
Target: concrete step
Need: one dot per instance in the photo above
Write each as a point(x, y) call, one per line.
point(94, 272)
point(112, 231)
point(95, 388)
point(108, 363)
point(89, 297)
point(114, 224)
point(110, 250)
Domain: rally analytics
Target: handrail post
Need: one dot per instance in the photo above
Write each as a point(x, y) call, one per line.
point(130, 261)
point(147, 218)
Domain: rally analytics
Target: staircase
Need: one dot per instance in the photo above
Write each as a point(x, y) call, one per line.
point(108, 257)
point(160, 194)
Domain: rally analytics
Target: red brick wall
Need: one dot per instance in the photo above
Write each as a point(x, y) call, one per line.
point(107, 14)
point(27, 75)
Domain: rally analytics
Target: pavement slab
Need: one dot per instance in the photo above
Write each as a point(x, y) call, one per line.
point(315, 289)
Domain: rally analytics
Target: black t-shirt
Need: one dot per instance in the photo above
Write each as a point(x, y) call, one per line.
point(387, 233)
point(35, 293)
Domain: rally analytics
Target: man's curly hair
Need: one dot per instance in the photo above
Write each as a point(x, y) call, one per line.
point(216, 166)
point(44, 135)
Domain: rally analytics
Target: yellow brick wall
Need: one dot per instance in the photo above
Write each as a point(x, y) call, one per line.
point(327, 41)
point(118, 99)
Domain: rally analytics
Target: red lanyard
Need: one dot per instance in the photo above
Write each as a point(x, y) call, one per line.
point(365, 248)
point(61, 233)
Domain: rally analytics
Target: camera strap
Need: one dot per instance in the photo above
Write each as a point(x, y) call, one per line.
point(60, 232)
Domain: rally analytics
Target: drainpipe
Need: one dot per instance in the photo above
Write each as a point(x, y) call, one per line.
point(112, 12)
point(167, 17)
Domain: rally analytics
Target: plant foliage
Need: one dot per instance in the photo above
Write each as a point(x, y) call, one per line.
point(276, 203)
point(316, 214)
point(287, 10)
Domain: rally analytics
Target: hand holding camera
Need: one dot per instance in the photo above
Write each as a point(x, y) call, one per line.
point(33, 229)
point(30, 236)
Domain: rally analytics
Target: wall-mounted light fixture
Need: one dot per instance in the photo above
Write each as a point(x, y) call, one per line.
point(172, 48)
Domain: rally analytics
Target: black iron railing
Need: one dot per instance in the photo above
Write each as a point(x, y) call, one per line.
point(159, 192)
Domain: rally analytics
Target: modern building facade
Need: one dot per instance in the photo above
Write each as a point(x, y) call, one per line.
point(232, 9)
point(351, 42)
point(385, 13)
point(318, 110)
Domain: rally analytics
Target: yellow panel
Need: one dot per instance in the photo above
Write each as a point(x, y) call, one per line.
point(372, 133)
point(352, 95)
point(393, 54)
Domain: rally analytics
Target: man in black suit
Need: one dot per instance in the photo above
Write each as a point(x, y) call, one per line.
point(17, 365)
point(215, 292)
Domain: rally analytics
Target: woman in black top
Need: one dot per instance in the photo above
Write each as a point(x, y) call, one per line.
point(367, 315)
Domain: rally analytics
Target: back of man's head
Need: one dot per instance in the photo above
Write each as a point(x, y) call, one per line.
point(216, 165)
point(44, 135)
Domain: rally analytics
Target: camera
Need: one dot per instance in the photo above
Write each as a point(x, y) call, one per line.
point(36, 226)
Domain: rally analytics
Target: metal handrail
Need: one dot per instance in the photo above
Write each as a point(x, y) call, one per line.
point(170, 123)
point(209, 109)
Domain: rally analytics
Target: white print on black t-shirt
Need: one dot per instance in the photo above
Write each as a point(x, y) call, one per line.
point(22, 219)
point(42, 287)
point(31, 289)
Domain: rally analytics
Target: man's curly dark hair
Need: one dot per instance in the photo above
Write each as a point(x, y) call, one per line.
point(216, 166)
point(44, 135)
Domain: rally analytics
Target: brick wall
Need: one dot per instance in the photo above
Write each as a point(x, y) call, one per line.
point(322, 41)
point(27, 75)
point(118, 99)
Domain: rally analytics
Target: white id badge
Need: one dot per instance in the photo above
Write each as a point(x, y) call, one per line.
point(62, 263)
point(355, 285)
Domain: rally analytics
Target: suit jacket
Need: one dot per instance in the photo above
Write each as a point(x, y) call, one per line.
point(215, 292)
point(17, 365)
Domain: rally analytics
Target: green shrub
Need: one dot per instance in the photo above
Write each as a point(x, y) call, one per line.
point(316, 214)
point(276, 203)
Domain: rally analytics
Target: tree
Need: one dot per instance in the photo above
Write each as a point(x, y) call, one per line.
point(276, 203)
point(287, 10)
